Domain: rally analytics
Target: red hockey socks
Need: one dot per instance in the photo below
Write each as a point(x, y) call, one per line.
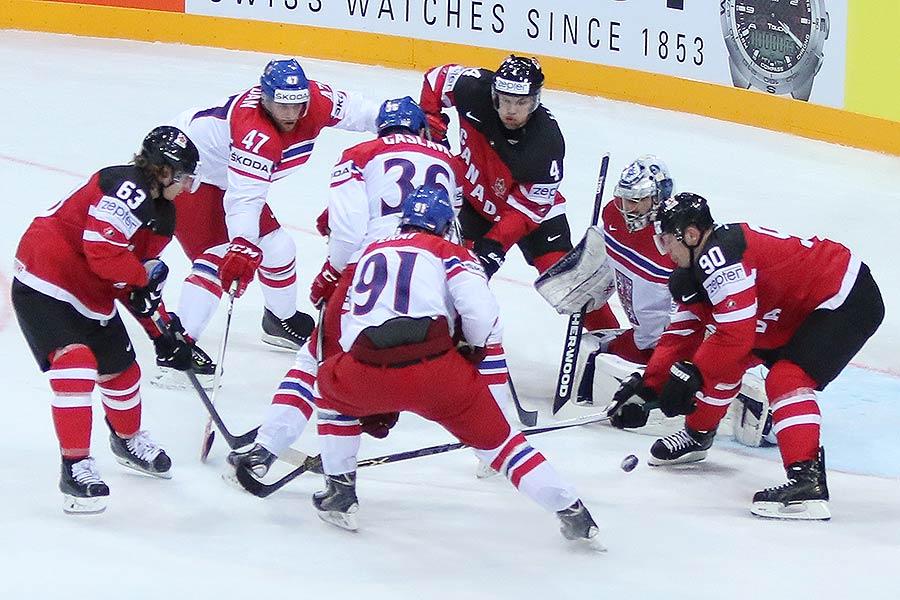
point(72, 376)
point(795, 412)
point(122, 401)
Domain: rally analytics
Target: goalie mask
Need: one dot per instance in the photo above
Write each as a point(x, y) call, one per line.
point(642, 186)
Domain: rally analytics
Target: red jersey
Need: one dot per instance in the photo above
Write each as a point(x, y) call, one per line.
point(87, 249)
point(752, 288)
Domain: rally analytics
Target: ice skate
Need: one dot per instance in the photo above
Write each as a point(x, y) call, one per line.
point(141, 454)
point(83, 491)
point(337, 503)
point(685, 446)
point(290, 333)
point(255, 459)
point(804, 496)
point(576, 524)
point(485, 471)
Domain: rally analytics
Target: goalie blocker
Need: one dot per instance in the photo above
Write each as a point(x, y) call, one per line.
point(749, 413)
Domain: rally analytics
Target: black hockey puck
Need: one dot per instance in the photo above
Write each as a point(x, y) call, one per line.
point(629, 463)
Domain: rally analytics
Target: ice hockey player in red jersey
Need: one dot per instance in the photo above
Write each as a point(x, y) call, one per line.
point(408, 294)
point(802, 307)
point(368, 185)
point(99, 245)
point(513, 150)
point(226, 227)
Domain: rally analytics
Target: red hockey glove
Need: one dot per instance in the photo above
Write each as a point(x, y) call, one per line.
point(324, 284)
point(143, 300)
point(239, 264)
point(437, 128)
point(322, 224)
point(378, 426)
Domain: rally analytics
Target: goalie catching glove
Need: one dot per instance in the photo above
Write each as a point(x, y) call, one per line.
point(582, 278)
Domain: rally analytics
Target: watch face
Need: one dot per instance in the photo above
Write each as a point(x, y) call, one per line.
point(775, 34)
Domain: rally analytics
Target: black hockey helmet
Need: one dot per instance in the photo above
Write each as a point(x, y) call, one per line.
point(677, 213)
point(169, 146)
point(518, 76)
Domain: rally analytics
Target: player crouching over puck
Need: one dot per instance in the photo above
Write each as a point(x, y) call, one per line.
point(802, 307)
point(408, 291)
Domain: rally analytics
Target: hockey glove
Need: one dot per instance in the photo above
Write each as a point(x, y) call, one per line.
point(437, 128)
point(322, 224)
point(473, 354)
point(144, 300)
point(490, 253)
point(324, 284)
point(173, 349)
point(239, 265)
point(678, 395)
point(378, 426)
point(631, 404)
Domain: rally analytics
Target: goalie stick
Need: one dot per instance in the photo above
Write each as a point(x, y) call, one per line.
point(314, 463)
point(564, 381)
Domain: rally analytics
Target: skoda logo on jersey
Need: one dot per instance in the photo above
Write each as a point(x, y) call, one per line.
point(519, 88)
point(291, 96)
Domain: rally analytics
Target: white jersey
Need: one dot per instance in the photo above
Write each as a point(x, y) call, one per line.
point(368, 186)
point(243, 152)
point(642, 277)
point(420, 275)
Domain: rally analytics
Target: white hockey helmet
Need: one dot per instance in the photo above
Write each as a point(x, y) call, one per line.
point(646, 177)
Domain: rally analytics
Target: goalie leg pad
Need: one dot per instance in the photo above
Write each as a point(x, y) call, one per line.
point(750, 413)
point(583, 277)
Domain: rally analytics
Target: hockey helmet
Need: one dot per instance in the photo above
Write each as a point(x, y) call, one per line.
point(284, 82)
point(169, 146)
point(401, 112)
point(646, 177)
point(677, 214)
point(427, 207)
point(518, 76)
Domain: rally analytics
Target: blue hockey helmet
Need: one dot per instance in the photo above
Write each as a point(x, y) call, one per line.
point(427, 207)
point(401, 112)
point(284, 82)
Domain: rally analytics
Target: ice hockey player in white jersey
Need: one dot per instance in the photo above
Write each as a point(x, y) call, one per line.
point(226, 227)
point(409, 295)
point(368, 185)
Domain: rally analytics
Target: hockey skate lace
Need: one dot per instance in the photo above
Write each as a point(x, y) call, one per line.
point(85, 472)
point(143, 447)
point(678, 441)
point(783, 486)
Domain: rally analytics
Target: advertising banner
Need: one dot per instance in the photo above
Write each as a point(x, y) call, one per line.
point(794, 48)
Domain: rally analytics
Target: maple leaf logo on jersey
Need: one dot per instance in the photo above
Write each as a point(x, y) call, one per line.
point(499, 187)
point(109, 232)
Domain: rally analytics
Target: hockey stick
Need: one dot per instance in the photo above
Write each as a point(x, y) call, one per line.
point(564, 381)
point(209, 436)
point(234, 441)
point(312, 463)
point(528, 418)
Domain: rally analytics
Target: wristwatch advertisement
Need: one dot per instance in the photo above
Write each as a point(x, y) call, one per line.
point(775, 45)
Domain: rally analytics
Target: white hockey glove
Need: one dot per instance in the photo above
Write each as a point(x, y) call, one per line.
point(583, 277)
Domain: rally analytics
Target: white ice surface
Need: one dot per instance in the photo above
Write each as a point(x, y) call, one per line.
point(429, 529)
